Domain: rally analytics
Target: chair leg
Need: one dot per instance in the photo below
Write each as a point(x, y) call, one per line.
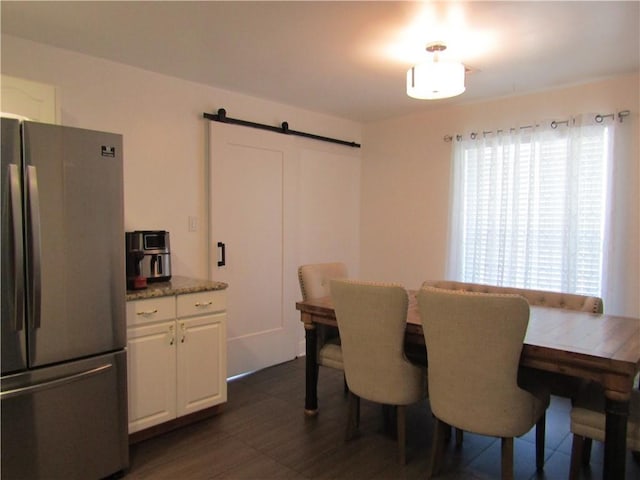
point(353, 416)
point(401, 421)
point(540, 436)
point(586, 451)
point(459, 437)
point(507, 458)
point(447, 433)
point(577, 449)
point(389, 417)
point(437, 447)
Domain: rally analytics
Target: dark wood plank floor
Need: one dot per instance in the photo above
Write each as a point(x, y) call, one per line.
point(263, 434)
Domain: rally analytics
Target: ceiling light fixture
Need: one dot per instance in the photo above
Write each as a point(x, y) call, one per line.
point(435, 79)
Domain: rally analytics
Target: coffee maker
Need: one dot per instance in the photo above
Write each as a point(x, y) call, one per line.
point(135, 280)
point(154, 246)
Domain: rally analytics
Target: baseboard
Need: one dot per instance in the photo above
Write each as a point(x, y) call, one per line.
point(173, 424)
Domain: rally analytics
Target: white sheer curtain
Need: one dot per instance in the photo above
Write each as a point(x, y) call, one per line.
point(529, 206)
point(621, 256)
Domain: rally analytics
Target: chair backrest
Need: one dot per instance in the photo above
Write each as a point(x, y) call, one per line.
point(543, 298)
point(474, 342)
point(372, 321)
point(314, 278)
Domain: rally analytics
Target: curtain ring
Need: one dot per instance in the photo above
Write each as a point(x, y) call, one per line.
point(458, 137)
point(599, 118)
point(473, 135)
point(554, 124)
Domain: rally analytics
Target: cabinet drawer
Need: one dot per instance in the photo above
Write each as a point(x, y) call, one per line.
point(151, 310)
point(201, 303)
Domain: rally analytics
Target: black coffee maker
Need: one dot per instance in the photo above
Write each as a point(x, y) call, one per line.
point(135, 279)
point(155, 264)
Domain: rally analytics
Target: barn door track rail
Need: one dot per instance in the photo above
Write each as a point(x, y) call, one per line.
point(221, 116)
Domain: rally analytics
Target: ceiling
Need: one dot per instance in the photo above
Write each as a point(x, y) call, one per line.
point(347, 59)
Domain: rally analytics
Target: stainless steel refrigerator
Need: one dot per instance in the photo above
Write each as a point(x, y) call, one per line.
point(63, 385)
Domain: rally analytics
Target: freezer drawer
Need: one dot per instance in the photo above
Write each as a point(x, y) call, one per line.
point(68, 421)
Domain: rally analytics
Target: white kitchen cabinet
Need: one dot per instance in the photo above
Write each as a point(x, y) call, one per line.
point(202, 353)
point(176, 356)
point(151, 358)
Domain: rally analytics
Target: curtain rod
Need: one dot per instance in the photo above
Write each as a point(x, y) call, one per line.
point(221, 116)
point(554, 124)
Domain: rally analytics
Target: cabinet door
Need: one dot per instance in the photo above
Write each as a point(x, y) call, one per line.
point(202, 362)
point(36, 101)
point(151, 363)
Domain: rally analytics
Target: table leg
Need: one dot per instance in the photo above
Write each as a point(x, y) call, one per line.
point(615, 445)
point(311, 346)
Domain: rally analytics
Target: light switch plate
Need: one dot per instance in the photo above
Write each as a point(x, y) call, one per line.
point(193, 224)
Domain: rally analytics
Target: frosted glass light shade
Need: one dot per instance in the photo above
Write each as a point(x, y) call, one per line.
point(433, 80)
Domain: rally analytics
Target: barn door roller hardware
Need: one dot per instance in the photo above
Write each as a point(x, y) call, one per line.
point(221, 116)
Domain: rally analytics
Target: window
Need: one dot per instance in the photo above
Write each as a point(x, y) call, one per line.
point(528, 208)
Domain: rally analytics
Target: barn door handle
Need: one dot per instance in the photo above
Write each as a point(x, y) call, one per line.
point(222, 262)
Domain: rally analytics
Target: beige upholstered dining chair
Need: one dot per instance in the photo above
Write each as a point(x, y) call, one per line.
point(559, 384)
point(588, 422)
point(542, 298)
point(314, 283)
point(372, 321)
point(474, 341)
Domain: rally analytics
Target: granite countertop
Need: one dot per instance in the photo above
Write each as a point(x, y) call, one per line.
point(176, 286)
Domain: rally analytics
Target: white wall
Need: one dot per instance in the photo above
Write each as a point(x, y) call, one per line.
point(164, 133)
point(405, 181)
point(405, 162)
point(329, 207)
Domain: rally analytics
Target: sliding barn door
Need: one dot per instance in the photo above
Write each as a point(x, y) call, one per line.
point(250, 171)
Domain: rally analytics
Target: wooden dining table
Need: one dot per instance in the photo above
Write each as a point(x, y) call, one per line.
point(596, 347)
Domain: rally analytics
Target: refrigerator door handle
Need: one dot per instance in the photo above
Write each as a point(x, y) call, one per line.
point(54, 383)
point(34, 239)
point(18, 252)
